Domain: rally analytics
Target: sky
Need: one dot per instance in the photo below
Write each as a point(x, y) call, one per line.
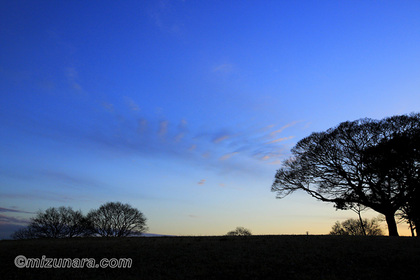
point(186, 109)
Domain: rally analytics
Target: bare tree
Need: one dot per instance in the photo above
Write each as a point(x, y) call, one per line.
point(114, 219)
point(334, 166)
point(239, 231)
point(24, 233)
point(357, 227)
point(55, 223)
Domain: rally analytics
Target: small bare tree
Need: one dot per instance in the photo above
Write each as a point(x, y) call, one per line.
point(357, 227)
point(24, 233)
point(239, 231)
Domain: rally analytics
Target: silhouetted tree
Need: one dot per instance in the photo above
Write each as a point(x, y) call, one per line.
point(114, 219)
point(357, 227)
point(405, 215)
point(396, 162)
point(55, 223)
point(339, 166)
point(239, 231)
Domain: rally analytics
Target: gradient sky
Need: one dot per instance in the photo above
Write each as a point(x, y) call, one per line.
point(185, 109)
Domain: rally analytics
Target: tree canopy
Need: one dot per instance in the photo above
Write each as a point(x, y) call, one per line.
point(55, 223)
point(111, 219)
point(115, 219)
point(345, 166)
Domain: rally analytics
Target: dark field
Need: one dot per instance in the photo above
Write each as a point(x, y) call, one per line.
point(220, 257)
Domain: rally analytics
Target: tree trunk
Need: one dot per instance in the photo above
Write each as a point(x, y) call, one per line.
point(392, 225)
point(361, 223)
point(410, 223)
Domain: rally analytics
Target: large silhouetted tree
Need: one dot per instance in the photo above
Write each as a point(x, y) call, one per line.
point(114, 219)
point(396, 162)
point(343, 165)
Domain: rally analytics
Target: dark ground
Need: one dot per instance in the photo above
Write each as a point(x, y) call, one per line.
point(221, 257)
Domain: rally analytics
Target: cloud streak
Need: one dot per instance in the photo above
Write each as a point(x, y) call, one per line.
point(273, 133)
point(228, 156)
point(13, 220)
point(221, 138)
point(72, 77)
point(224, 68)
point(125, 133)
point(280, 139)
point(2, 209)
point(132, 105)
point(163, 128)
point(108, 106)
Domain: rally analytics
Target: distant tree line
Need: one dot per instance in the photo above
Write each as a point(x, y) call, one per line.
point(112, 219)
point(369, 163)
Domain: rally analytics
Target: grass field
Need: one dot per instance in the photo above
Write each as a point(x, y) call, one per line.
point(222, 257)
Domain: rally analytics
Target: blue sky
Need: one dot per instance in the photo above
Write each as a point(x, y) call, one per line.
point(185, 109)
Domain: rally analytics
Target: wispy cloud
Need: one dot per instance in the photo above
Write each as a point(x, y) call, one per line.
point(280, 139)
point(2, 209)
point(223, 68)
point(72, 77)
point(13, 220)
point(71, 180)
point(163, 128)
point(275, 162)
point(273, 133)
point(268, 127)
point(221, 138)
point(183, 123)
point(182, 130)
point(108, 106)
point(202, 182)
point(208, 145)
point(43, 196)
point(222, 185)
point(179, 136)
point(131, 104)
point(162, 14)
point(228, 156)
point(141, 126)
